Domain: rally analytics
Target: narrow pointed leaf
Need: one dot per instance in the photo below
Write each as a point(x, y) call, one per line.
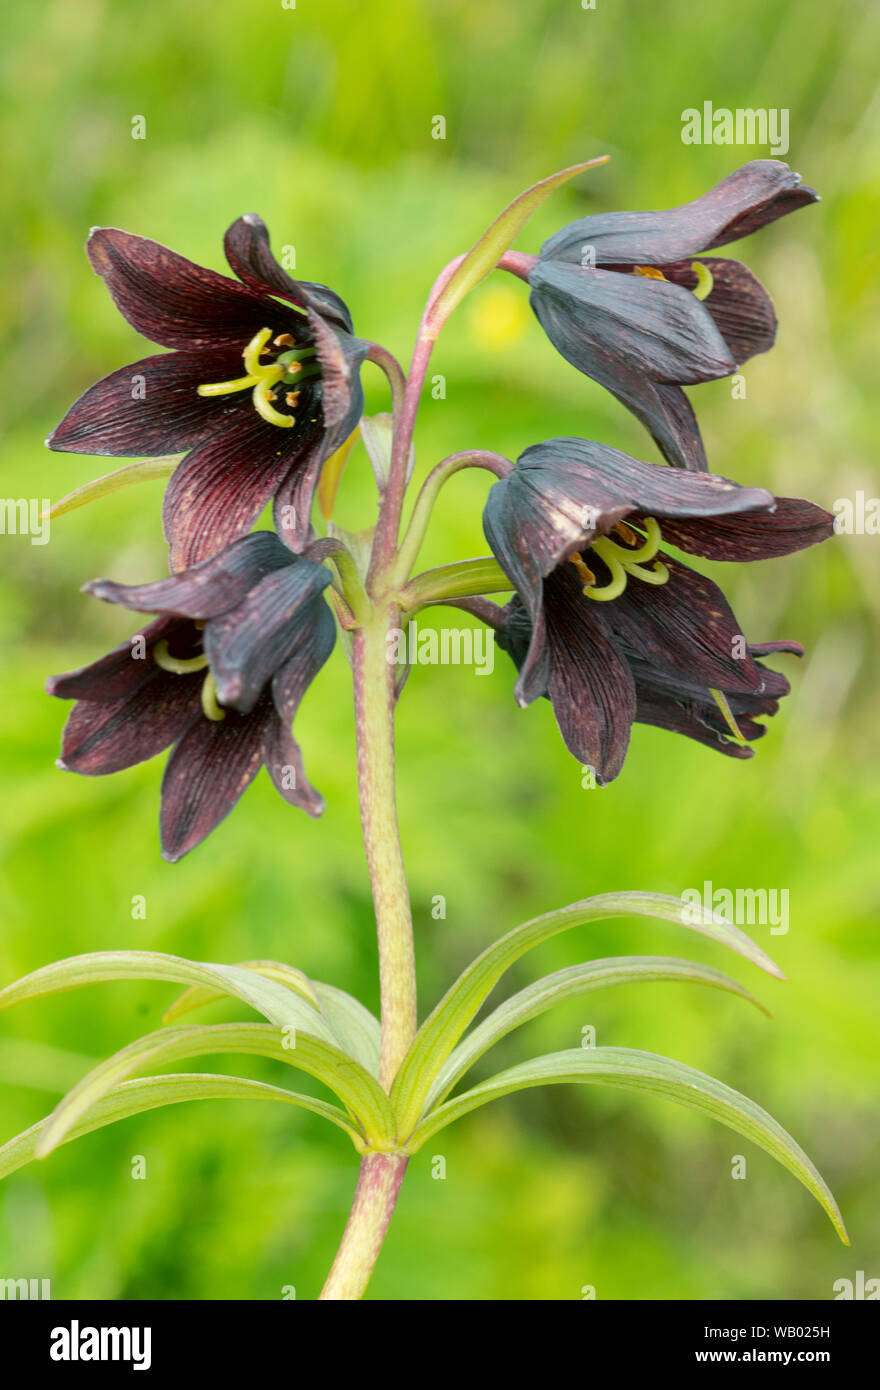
point(278, 1003)
point(645, 1071)
point(442, 1029)
point(576, 980)
point(356, 1028)
point(150, 1092)
point(112, 482)
point(486, 253)
point(357, 1090)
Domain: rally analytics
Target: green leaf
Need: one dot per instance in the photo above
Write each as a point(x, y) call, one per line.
point(443, 1028)
point(358, 1091)
point(150, 1092)
point(537, 998)
point(294, 1004)
point(353, 1025)
point(112, 482)
point(485, 254)
point(462, 579)
point(644, 1071)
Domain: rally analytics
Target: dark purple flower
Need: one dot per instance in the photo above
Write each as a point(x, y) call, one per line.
point(219, 674)
point(258, 391)
point(615, 630)
point(621, 298)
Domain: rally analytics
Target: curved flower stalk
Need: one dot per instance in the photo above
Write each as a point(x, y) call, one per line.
point(261, 392)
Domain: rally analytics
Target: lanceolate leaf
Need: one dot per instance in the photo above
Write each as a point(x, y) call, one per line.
point(112, 482)
point(358, 1091)
point(443, 1028)
point(484, 255)
point(535, 999)
point(150, 1092)
point(278, 1003)
point(355, 1027)
point(644, 1071)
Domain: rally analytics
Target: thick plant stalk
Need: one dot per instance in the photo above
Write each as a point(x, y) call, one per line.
point(377, 1189)
point(374, 711)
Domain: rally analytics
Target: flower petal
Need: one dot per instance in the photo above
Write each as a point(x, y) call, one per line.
point(150, 407)
point(100, 738)
point(653, 326)
point(793, 524)
point(119, 673)
point(248, 252)
point(220, 488)
point(212, 765)
point(282, 756)
point(746, 200)
point(175, 302)
point(283, 619)
point(208, 589)
point(740, 306)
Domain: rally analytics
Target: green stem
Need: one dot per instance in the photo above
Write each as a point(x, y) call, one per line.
point(371, 1212)
point(430, 490)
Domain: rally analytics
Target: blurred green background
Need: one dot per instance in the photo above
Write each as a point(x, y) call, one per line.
point(320, 118)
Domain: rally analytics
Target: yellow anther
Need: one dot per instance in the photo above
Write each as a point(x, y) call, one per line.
point(626, 532)
point(210, 707)
point(650, 272)
point(727, 714)
point(179, 666)
point(583, 569)
point(705, 280)
point(284, 340)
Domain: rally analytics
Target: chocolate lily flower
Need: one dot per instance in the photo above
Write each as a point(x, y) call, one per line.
point(219, 674)
point(259, 391)
point(604, 621)
point(621, 298)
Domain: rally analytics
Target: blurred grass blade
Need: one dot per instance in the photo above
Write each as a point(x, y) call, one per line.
point(645, 1071)
point(150, 1092)
point(292, 1004)
point(537, 998)
point(485, 254)
point(442, 1029)
point(359, 1092)
point(112, 482)
point(356, 1028)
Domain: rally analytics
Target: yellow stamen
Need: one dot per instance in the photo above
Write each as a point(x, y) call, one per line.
point(284, 340)
point(727, 715)
point(583, 569)
point(623, 562)
point(617, 583)
point(178, 665)
point(626, 532)
point(650, 272)
point(653, 539)
point(705, 280)
point(210, 707)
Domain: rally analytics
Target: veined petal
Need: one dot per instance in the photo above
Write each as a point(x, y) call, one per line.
point(120, 672)
point(793, 524)
point(249, 254)
point(205, 590)
point(150, 407)
point(175, 302)
point(658, 328)
point(212, 765)
point(281, 614)
point(740, 306)
point(220, 488)
point(750, 198)
point(282, 756)
point(101, 738)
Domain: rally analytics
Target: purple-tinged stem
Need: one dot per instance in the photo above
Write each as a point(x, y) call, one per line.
point(378, 1185)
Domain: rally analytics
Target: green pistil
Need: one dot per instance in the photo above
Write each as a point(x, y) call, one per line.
point(210, 707)
point(624, 563)
point(705, 280)
point(178, 666)
point(286, 370)
point(727, 715)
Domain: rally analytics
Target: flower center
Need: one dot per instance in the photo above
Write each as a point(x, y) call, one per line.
point(705, 279)
point(289, 369)
point(183, 666)
point(623, 561)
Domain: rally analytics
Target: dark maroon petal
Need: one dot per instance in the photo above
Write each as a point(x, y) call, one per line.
point(101, 738)
point(792, 525)
point(175, 302)
point(282, 618)
point(590, 687)
point(562, 493)
point(207, 589)
point(740, 306)
point(219, 490)
point(341, 357)
point(653, 326)
point(292, 505)
point(118, 674)
point(749, 198)
point(248, 252)
point(684, 627)
point(150, 407)
point(282, 756)
point(695, 719)
point(212, 765)
point(768, 648)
